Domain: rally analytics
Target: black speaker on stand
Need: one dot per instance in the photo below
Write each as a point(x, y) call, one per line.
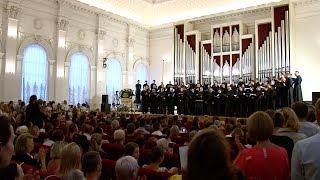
point(105, 106)
point(315, 97)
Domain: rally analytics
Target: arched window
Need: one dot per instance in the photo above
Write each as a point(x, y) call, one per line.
point(141, 72)
point(114, 78)
point(34, 72)
point(79, 79)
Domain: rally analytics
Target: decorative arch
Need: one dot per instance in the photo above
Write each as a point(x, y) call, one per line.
point(85, 50)
point(118, 56)
point(140, 60)
point(46, 44)
point(142, 76)
point(34, 73)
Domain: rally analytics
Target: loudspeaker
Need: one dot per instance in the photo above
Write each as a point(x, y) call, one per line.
point(315, 97)
point(105, 99)
point(105, 108)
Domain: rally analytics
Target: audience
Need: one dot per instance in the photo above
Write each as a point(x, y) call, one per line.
point(55, 157)
point(8, 170)
point(127, 168)
point(157, 157)
point(305, 162)
point(24, 145)
point(209, 156)
point(119, 136)
point(290, 125)
point(70, 160)
point(132, 149)
point(305, 127)
point(117, 142)
point(264, 160)
point(91, 165)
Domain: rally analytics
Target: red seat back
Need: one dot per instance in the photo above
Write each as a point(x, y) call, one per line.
point(116, 150)
point(108, 169)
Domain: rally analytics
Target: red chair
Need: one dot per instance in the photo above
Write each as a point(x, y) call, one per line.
point(108, 169)
point(171, 160)
point(154, 175)
point(116, 150)
point(180, 140)
point(144, 157)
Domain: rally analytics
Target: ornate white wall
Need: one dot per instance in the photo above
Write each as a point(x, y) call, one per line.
point(306, 44)
point(96, 33)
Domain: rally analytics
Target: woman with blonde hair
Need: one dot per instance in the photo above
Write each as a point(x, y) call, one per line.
point(290, 125)
point(55, 157)
point(70, 159)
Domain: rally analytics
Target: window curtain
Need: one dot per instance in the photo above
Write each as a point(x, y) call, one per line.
point(34, 72)
point(79, 79)
point(114, 78)
point(141, 73)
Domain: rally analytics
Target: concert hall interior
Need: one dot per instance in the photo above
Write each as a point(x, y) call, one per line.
point(158, 89)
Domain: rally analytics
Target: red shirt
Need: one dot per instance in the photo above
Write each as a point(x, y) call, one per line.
point(264, 163)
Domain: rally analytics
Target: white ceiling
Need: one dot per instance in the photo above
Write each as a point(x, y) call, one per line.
point(158, 12)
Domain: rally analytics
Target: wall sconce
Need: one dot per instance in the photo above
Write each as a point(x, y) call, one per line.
point(104, 63)
point(12, 28)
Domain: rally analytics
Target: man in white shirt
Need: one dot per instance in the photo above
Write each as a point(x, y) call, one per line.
point(305, 162)
point(305, 127)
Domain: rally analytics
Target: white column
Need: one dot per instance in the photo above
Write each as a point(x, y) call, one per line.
point(11, 83)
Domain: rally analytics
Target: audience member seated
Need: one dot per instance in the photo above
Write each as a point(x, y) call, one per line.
point(96, 145)
point(70, 160)
point(91, 165)
point(265, 160)
point(278, 121)
point(73, 129)
point(127, 168)
point(157, 129)
point(8, 170)
point(130, 130)
point(119, 136)
point(55, 157)
point(23, 147)
point(157, 157)
point(209, 156)
point(305, 127)
point(164, 144)
point(290, 125)
point(142, 128)
point(306, 157)
point(311, 116)
point(87, 130)
point(115, 125)
point(82, 141)
point(174, 133)
point(132, 149)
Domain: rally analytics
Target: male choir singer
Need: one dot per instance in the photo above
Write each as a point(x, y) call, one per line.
point(297, 93)
point(138, 92)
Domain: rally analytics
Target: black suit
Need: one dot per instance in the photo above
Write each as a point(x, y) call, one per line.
point(297, 93)
point(34, 115)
